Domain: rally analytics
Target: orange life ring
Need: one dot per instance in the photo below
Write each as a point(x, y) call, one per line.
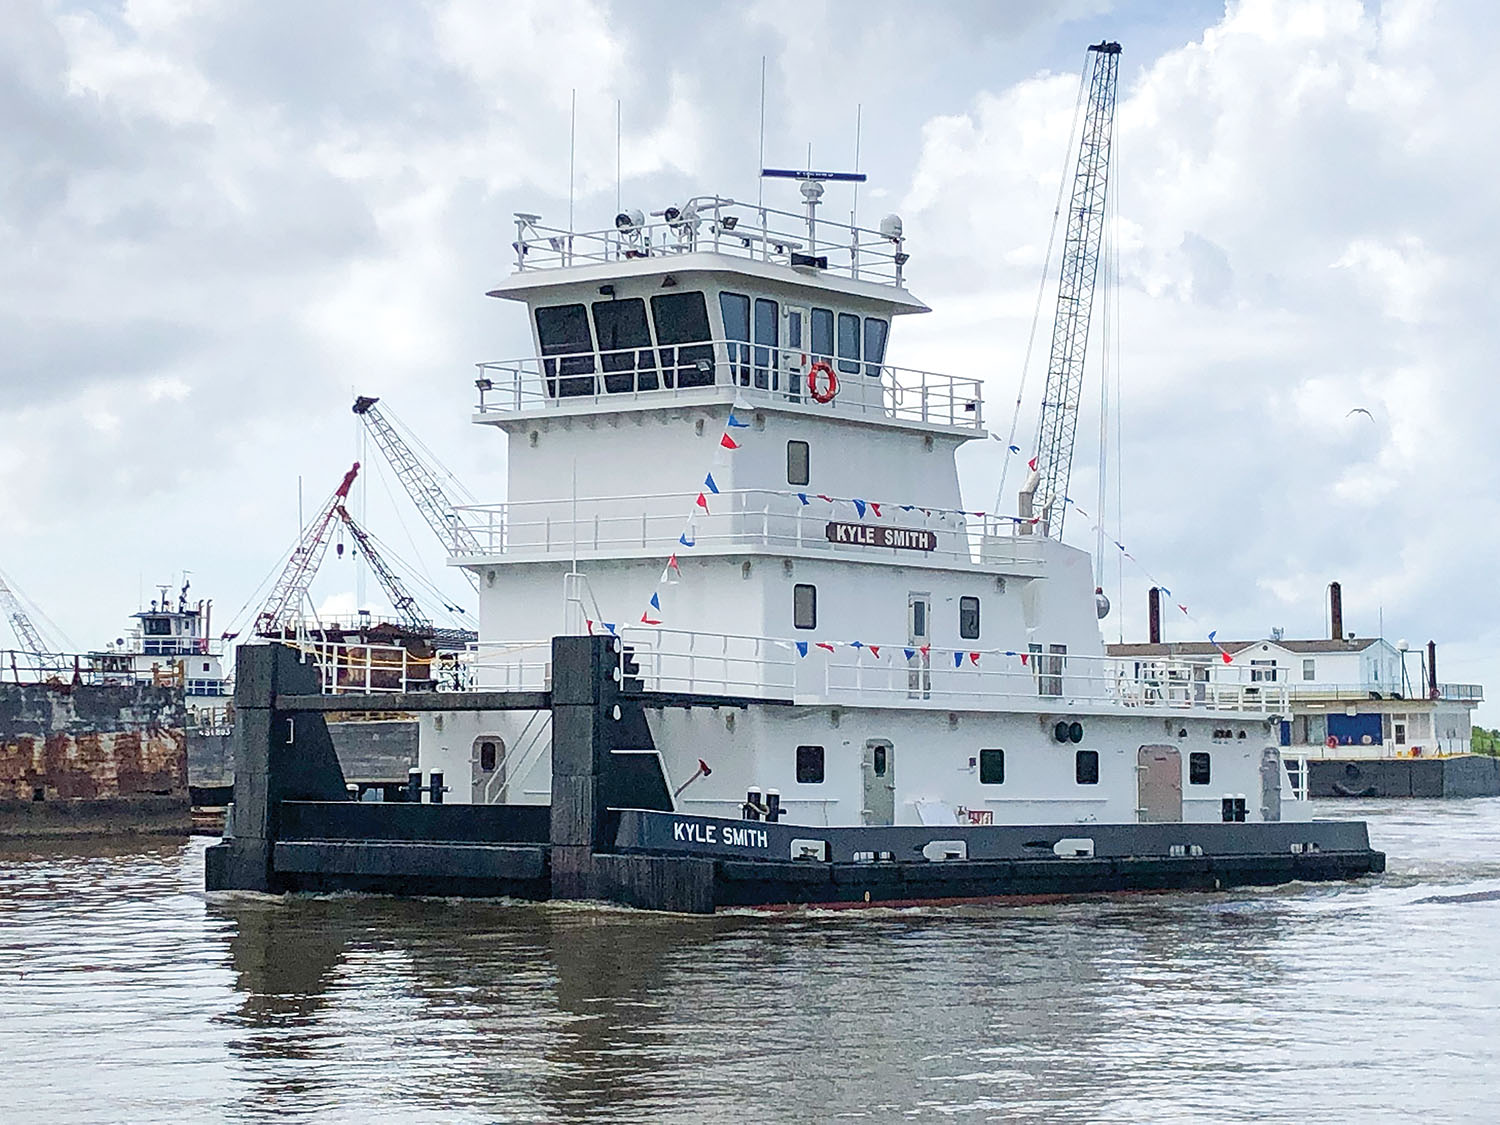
point(832, 387)
point(1331, 742)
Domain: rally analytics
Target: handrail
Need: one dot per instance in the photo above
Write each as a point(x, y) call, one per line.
point(653, 375)
point(712, 224)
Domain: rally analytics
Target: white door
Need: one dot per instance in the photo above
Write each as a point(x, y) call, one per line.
point(1159, 769)
point(919, 641)
point(880, 782)
point(795, 340)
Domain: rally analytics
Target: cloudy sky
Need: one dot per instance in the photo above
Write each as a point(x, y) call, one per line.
point(219, 220)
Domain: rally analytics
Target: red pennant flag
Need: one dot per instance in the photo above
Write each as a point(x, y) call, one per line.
point(925, 650)
point(590, 624)
point(874, 507)
point(1023, 659)
point(828, 499)
point(824, 644)
point(702, 501)
point(1183, 608)
point(1228, 659)
point(874, 651)
point(1031, 464)
point(973, 658)
point(728, 442)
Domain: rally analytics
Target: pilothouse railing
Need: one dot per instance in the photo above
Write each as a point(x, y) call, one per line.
point(702, 370)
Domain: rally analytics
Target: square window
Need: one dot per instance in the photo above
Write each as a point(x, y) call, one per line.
point(992, 767)
point(968, 618)
point(1199, 769)
point(1086, 767)
point(805, 606)
point(1309, 669)
point(809, 765)
point(798, 463)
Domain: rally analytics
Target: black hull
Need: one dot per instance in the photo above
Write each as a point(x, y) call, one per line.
point(1466, 775)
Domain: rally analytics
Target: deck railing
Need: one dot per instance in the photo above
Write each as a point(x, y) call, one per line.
point(715, 370)
point(715, 225)
point(778, 519)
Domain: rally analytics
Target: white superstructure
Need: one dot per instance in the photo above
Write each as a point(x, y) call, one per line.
point(676, 478)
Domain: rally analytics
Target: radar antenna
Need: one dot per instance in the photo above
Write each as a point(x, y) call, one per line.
point(1045, 494)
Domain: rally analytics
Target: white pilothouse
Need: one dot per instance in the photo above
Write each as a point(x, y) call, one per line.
point(710, 457)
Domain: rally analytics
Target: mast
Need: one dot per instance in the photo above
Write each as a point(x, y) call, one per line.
point(1057, 426)
point(26, 632)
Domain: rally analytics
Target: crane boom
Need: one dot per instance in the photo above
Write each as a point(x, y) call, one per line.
point(1058, 424)
point(421, 484)
point(26, 632)
point(401, 598)
point(280, 608)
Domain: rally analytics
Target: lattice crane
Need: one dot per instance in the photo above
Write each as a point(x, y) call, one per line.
point(1058, 423)
point(26, 632)
point(421, 484)
point(401, 598)
point(279, 612)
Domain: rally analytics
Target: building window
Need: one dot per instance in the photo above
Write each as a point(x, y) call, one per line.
point(1086, 767)
point(1309, 669)
point(968, 618)
point(798, 463)
point(848, 343)
point(992, 767)
point(809, 765)
point(1398, 729)
point(1198, 768)
point(1048, 667)
point(1263, 671)
point(805, 606)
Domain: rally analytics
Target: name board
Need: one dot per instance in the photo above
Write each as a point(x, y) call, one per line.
point(879, 535)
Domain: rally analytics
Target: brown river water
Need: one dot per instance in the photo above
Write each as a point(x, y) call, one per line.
point(126, 994)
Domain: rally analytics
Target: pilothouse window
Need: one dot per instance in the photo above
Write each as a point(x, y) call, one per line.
point(848, 343)
point(876, 332)
point(563, 330)
point(735, 308)
point(682, 318)
point(822, 333)
point(767, 318)
point(625, 344)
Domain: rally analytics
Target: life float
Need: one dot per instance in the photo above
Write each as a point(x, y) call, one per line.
point(1331, 742)
point(831, 386)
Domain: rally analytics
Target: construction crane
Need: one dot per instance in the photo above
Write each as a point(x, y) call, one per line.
point(401, 598)
point(1045, 493)
point(26, 632)
point(421, 484)
point(279, 612)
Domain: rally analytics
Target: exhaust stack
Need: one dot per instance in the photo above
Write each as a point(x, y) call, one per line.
point(1432, 680)
point(1154, 614)
point(1336, 610)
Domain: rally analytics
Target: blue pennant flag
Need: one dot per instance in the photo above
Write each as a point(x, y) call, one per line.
point(801, 648)
point(708, 483)
point(684, 540)
point(859, 506)
point(610, 625)
point(1212, 634)
point(655, 602)
point(1009, 653)
point(856, 644)
point(735, 423)
point(1015, 449)
point(906, 507)
point(1164, 590)
point(803, 497)
point(910, 652)
point(958, 660)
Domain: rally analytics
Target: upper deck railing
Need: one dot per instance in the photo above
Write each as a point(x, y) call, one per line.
point(645, 377)
point(711, 224)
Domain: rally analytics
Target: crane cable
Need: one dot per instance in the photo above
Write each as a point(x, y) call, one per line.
point(1041, 289)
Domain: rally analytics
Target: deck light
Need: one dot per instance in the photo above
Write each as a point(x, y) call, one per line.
point(484, 384)
point(729, 222)
point(606, 290)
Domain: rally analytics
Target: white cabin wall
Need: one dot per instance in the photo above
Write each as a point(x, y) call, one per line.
point(1064, 600)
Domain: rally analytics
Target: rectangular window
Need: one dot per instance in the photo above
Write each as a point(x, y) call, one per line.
point(876, 332)
point(1086, 767)
point(625, 345)
point(968, 618)
point(1309, 669)
point(157, 626)
point(822, 333)
point(1263, 671)
point(794, 328)
point(1199, 770)
point(1048, 668)
point(798, 463)
point(809, 765)
point(1398, 729)
point(563, 330)
point(992, 767)
point(767, 318)
point(804, 606)
point(682, 318)
point(735, 308)
point(848, 343)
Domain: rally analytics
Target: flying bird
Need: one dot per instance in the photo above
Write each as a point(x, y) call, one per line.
point(1360, 410)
